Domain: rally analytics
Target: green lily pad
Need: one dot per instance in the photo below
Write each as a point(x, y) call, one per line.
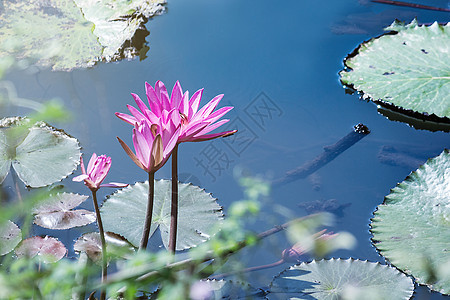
point(342, 279)
point(68, 34)
point(407, 69)
point(40, 155)
point(56, 212)
point(54, 33)
point(10, 237)
point(412, 227)
point(124, 213)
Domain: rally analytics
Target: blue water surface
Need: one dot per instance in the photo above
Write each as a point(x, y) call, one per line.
point(277, 63)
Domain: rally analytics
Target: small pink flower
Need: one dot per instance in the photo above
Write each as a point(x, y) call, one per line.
point(97, 170)
point(153, 143)
point(195, 124)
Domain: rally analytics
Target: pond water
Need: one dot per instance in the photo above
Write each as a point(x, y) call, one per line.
point(277, 63)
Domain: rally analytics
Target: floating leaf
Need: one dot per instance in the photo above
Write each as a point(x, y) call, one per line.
point(409, 70)
point(52, 32)
point(412, 227)
point(47, 248)
point(41, 155)
point(117, 21)
point(124, 213)
point(91, 244)
point(339, 279)
point(10, 237)
point(56, 212)
point(224, 289)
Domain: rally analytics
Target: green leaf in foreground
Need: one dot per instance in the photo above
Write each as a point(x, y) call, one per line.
point(40, 155)
point(10, 237)
point(342, 279)
point(409, 70)
point(412, 227)
point(198, 212)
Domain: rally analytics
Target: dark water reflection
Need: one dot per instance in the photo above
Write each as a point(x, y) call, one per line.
point(286, 53)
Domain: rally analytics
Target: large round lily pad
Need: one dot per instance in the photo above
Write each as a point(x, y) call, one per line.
point(40, 155)
point(341, 279)
point(412, 227)
point(408, 70)
point(124, 213)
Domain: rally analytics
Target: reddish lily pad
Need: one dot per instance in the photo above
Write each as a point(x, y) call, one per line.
point(47, 248)
point(10, 237)
point(56, 212)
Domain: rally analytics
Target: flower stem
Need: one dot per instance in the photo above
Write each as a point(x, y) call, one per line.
point(174, 207)
point(149, 214)
point(102, 238)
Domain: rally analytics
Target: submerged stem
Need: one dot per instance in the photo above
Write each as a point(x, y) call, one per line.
point(149, 214)
point(174, 207)
point(102, 238)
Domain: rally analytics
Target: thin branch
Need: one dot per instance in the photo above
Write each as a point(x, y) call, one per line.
point(330, 152)
point(147, 272)
point(413, 5)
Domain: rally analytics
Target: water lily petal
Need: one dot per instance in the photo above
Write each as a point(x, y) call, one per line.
point(176, 96)
point(194, 103)
point(207, 137)
point(80, 177)
point(131, 154)
point(91, 163)
point(126, 118)
point(114, 185)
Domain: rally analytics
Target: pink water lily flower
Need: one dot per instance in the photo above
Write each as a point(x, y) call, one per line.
point(97, 170)
point(196, 125)
point(153, 143)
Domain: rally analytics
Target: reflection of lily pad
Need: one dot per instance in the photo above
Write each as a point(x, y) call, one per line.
point(412, 227)
point(409, 70)
point(10, 236)
point(41, 155)
point(56, 212)
point(198, 213)
point(338, 279)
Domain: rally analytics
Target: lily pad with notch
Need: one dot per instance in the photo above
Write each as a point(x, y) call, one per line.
point(406, 70)
point(40, 154)
point(56, 212)
point(412, 226)
point(124, 213)
point(341, 279)
point(48, 249)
